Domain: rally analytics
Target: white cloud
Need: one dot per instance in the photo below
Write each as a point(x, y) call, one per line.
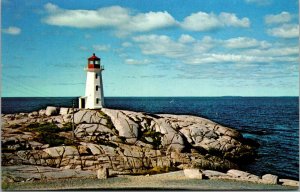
point(116, 17)
point(160, 45)
point(274, 51)
point(285, 31)
point(126, 44)
point(137, 62)
point(125, 21)
point(283, 17)
point(184, 38)
point(202, 21)
point(51, 7)
point(104, 17)
point(209, 51)
point(210, 58)
point(230, 19)
point(12, 30)
point(259, 2)
point(150, 21)
point(101, 47)
point(245, 42)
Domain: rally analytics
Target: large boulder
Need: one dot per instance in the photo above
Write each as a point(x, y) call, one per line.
point(270, 179)
point(289, 182)
point(102, 173)
point(193, 173)
point(126, 127)
point(242, 175)
point(63, 111)
point(50, 110)
point(89, 116)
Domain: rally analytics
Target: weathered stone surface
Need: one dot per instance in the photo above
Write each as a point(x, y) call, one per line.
point(61, 151)
point(289, 182)
point(270, 179)
point(212, 173)
point(50, 110)
point(125, 126)
point(126, 141)
point(35, 145)
point(193, 173)
point(91, 130)
point(26, 172)
point(89, 116)
point(102, 173)
point(99, 149)
point(242, 175)
point(64, 111)
point(173, 141)
point(31, 115)
point(42, 112)
point(237, 173)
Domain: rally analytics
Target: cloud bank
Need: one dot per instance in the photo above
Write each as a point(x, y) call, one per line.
point(125, 21)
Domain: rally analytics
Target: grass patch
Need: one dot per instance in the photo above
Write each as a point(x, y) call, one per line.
point(48, 127)
point(156, 137)
point(215, 152)
point(47, 133)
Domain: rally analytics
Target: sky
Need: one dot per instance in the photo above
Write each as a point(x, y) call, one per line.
point(151, 48)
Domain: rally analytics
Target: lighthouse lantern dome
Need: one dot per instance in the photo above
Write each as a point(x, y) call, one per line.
point(94, 62)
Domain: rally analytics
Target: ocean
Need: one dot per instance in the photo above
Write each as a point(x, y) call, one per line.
point(272, 121)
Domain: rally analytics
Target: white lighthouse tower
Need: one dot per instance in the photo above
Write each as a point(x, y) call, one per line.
point(94, 98)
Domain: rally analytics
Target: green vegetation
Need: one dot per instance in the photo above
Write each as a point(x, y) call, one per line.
point(123, 139)
point(156, 137)
point(47, 133)
point(215, 152)
point(48, 127)
point(14, 126)
point(109, 123)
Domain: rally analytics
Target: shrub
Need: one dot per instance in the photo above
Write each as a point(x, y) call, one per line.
point(48, 127)
point(156, 136)
point(47, 133)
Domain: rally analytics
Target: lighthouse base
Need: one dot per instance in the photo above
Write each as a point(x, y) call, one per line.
point(83, 104)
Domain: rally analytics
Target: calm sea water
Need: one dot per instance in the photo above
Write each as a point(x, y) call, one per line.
point(272, 121)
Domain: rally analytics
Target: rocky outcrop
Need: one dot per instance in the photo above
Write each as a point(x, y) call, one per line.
point(119, 140)
point(51, 111)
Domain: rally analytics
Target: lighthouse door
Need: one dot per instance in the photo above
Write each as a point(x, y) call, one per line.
point(82, 103)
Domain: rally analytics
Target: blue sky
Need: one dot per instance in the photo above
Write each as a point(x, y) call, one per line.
point(151, 48)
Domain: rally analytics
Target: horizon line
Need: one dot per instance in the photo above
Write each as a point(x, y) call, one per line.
point(151, 96)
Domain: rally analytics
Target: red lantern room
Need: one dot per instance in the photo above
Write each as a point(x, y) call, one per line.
point(93, 62)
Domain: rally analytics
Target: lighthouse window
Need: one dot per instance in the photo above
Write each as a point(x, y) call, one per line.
point(97, 100)
point(91, 62)
point(97, 62)
point(97, 87)
point(96, 76)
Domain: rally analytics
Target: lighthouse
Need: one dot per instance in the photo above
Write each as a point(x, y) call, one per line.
point(94, 98)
